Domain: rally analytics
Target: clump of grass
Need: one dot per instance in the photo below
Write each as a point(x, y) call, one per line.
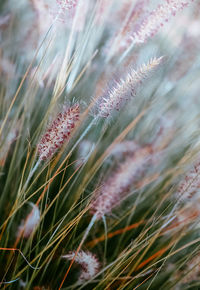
point(99, 144)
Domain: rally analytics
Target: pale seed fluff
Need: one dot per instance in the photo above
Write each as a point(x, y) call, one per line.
point(185, 217)
point(67, 4)
point(156, 19)
point(124, 148)
point(125, 88)
point(58, 132)
point(28, 225)
point(119, 183)
point(85, 148)
point(190, 185)
point(89, 264)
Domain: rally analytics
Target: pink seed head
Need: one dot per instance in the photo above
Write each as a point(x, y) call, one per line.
point(67, 4)
point(58, 132)
point(156, 19)
point(126, 88)
point(88, 262)
point(124, 148)
point(190, 185)
point(119, 184)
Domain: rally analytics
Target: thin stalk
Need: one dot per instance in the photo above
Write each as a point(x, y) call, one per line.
point(106, 239)
point(79, 247)
point(125, 53)
point(31, 174)
point(84, 133)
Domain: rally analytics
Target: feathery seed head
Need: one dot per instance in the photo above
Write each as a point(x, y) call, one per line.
point(59, 131)
point(125, 88)
point(190, 185)
point(139, 11)
point(67, 4)
point(155, 20)
point(88, 262)
point(68, 9)
point(118, 185)
point(124, 148)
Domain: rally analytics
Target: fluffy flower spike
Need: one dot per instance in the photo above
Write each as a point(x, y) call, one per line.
point(118, 185)
point(190, 185)
point(67, 4)
point(124, 148)
point(156, 19)
point(58, 132)
point(89, 264)
point(126, 88)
